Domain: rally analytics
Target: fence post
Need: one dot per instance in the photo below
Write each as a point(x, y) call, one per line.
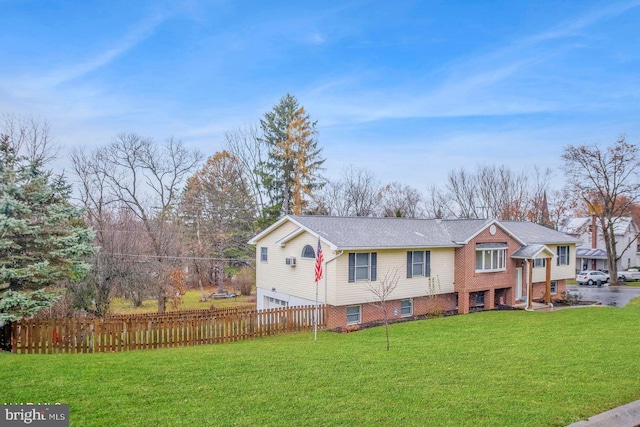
point(6, 336)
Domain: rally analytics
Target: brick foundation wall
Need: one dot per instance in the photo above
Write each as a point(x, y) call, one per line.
point(337, 315)
point(493, 284)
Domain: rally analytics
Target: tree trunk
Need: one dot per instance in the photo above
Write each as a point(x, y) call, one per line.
point(162, 300)
point(203, 296)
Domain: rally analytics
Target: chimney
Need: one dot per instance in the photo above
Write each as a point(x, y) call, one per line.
point(594, 232)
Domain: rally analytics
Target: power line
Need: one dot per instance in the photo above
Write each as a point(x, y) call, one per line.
point(178, 257)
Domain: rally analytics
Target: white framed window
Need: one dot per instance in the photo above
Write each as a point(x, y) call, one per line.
point(554, 287)
point(418, 263)
point(563, 255)
point(539, 262)
point(354, 314)
point(263, 254)
point(491, 257)
point(308, 252)
point(363, 266)
point(275, 302)
point(406, 307)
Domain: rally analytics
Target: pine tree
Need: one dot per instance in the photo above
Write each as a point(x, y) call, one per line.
point(291, 171)
point(43, 239)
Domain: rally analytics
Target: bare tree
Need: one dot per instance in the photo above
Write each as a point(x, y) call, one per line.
point(134, 174)
point(399, 200)
point(561, 203)
point(463, 189)
point(30, 137)
point(494, 192)
point(607, 181)
point(382, 291)
point(250, 150)
point(355, 194)
point(437, 204)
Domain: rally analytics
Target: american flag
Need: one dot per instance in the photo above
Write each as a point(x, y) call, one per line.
point(319, 261)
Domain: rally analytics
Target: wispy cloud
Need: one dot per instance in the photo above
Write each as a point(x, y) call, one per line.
point(492, 83)
point(573, 26)
point(69, 72)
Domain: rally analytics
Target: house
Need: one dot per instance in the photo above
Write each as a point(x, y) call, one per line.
point(592, 253)
point(443, 265)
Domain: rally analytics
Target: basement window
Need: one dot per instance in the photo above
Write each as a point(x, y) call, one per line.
point(354, 314)
point(406, 307)
point(479, 299)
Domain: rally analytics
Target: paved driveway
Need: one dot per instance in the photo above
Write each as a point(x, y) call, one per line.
point(617, 296)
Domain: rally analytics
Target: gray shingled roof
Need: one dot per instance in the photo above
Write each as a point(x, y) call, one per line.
point(462, 230)
point(528, 251)
point(531, 233)
point(360, 232)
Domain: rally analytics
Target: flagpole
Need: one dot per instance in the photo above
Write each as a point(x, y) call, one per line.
point(318, 274)
point(315, 317)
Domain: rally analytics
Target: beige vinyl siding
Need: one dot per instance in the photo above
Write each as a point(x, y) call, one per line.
point(299, 280)
point(390, 261)
point(558, 272)
point(270, 272)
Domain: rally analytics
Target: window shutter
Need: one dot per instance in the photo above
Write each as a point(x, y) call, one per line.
point(427, 263)
point(568, 257)
point(374, 266)
point(409, 264)
point(352, 267)
point(558, 255)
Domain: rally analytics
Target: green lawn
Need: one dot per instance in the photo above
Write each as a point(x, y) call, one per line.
point(493, 368)
point(190, 301)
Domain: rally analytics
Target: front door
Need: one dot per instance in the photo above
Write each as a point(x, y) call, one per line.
point(520, 291)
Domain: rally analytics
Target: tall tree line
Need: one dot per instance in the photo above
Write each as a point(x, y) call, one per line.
point(160, 213)
point(157, 209)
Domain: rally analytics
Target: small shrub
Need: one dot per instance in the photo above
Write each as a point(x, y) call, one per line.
point(177, 287)
point(437, 311)
point(567, 298)
point(244, 282)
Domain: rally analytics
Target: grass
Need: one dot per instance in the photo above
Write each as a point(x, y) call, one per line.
point(190, 301)
point(634, 283)
point(502, 368)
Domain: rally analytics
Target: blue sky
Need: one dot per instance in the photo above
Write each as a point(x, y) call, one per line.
point(407, 89)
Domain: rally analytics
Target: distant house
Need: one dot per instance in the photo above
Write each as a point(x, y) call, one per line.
point(444, 265)
point(592, 254)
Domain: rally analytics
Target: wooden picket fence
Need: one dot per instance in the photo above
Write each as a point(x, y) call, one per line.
point(184, 313)
point(165, 330)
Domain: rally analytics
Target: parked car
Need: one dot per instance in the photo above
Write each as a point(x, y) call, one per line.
point(632, 274)
point(592, 277)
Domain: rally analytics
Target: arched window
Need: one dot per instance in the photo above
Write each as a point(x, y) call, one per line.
point(308, 252)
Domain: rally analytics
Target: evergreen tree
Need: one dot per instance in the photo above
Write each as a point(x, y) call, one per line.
point(291, 171)
point(43, 239)
point(218, 210)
